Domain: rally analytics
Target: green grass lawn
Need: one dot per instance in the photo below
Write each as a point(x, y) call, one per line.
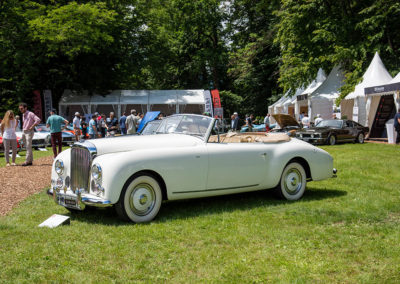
point(344, 230)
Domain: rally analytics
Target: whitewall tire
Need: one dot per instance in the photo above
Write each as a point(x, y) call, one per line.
point(293, 182)
point(140, 199)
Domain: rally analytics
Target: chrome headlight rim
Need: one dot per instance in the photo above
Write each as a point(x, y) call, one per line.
point(97, 172)
point(59, 167)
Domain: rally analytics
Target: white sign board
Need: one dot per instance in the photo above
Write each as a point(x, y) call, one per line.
point(56, 220)
point(355, 114)
point(208, 107)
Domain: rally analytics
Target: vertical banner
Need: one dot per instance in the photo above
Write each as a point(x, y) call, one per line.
point(216, 99)
point(208, 102)
point(37, 104)
point(48, 103)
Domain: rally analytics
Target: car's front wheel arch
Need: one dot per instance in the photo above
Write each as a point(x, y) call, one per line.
point(140, 198)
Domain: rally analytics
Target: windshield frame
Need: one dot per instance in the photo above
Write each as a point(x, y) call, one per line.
point(179, 117)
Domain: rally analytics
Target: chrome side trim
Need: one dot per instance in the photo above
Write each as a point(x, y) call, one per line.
point(216, 189)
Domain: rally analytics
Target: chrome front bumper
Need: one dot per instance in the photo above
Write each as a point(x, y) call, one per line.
point(77, 201)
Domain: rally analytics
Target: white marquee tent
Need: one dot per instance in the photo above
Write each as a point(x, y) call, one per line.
point(119, 101)
point(322, 99)
point(384, 101)
point(355, 105)
point(303, 103)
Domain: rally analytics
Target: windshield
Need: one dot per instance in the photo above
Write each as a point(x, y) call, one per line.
point(189, 124)
point(42, 128)
point(330, 123)
point(151, 127)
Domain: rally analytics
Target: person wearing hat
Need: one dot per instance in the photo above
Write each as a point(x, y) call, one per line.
point(76, 123)
point(235, 122)
point(54, 123)
point(318, 119)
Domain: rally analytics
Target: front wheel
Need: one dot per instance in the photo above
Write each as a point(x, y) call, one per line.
point(332, 139)
point(140, 199)
point(293, 182)
point(360, 138)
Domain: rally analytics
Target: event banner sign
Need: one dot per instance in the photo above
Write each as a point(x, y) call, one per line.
point(208, 102)
point(37, 104)
point(219, 112)
point(48, 103)
point(216, 99)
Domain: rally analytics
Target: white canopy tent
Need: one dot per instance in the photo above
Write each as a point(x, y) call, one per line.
point(355, 105)
point(303, 103)
point(120, 101)
point(384, 101)
point(322, 99)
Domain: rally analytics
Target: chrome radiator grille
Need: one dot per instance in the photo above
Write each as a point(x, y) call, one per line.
point(80, 167)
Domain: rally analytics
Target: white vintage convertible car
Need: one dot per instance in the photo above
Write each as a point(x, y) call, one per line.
point(186, 158)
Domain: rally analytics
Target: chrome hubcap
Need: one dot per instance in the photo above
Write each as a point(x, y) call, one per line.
point(293, 181)
point(142, 199)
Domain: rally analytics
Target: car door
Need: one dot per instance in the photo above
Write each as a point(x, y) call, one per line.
point(235, 165)
point(348, 130)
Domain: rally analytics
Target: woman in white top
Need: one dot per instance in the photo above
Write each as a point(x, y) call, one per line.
point(7, 128)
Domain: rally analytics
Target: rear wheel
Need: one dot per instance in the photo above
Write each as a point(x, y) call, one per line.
point(293, 182)
point(360, 138)
point(140, 199)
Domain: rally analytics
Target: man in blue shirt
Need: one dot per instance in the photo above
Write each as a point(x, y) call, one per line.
point(92, 129)
point(397, 125)
point(54, 122)
point(122, 124)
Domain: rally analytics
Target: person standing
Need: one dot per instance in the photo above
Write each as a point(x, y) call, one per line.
point(102, 125)
point(306, 121)
point(131, 122)
point(29, 121)
point(112, 125)
point(93, 127)
point(249, 122)
point(235, 122)
point(84, 127)
point(54, 123)
point(76, 123)
point(318, 119)
point(397, 125)
point(267, 122)
point(8, 126)
point(122, 124)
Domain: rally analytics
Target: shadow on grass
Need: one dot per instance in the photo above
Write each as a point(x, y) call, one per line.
point(189, 208)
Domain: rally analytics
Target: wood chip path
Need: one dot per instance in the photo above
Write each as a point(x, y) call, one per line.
point(17, 183)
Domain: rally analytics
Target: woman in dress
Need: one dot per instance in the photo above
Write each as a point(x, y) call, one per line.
point(7, 128)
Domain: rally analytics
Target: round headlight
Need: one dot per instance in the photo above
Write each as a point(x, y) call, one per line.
point(96, 172)
point(59, 167)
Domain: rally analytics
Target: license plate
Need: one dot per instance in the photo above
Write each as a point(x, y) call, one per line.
point(70, 202)
point(67, 201)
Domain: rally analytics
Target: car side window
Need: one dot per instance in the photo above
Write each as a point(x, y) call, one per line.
point(349, 124)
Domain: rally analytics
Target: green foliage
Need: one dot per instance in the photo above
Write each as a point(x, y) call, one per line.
point(313, 34)
point(74, 29)
point(230, 102)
